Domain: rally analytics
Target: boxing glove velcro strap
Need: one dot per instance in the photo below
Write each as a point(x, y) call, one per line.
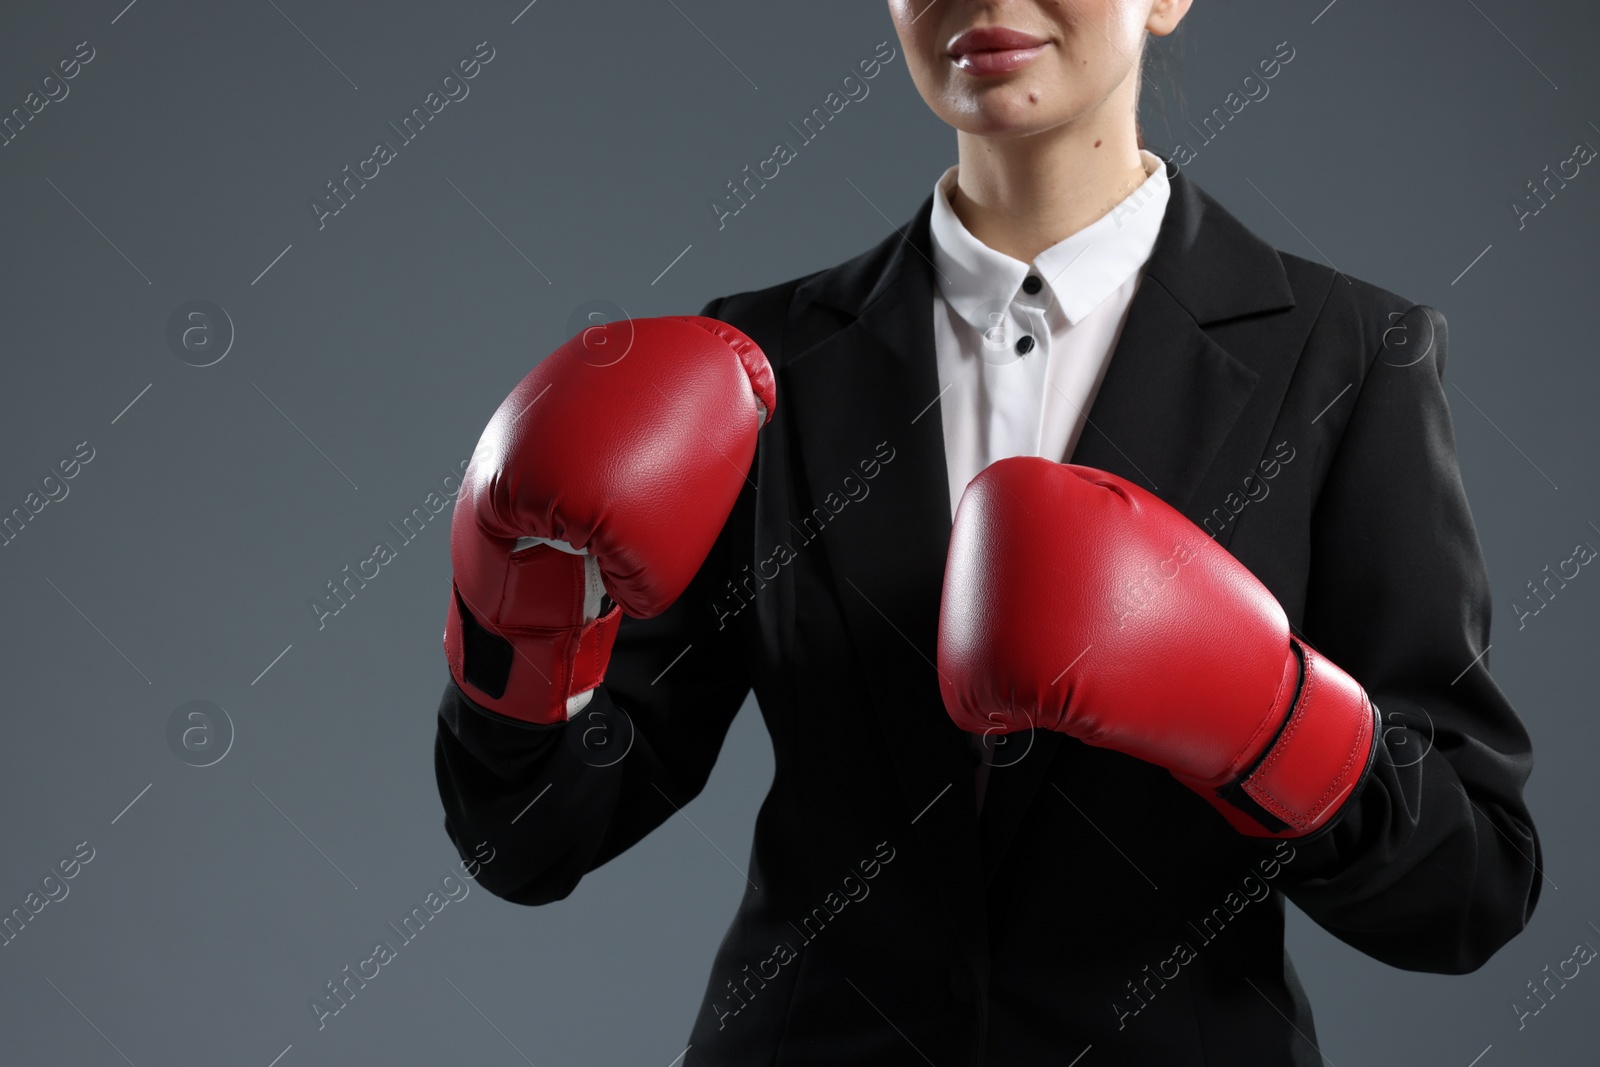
point(529, 673)
point(1321, 754)
point(485, 656)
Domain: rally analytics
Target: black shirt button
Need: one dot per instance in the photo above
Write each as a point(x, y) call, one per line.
point(1031, 284)
point(1024, 345)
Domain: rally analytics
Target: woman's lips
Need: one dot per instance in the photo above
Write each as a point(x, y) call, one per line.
point(999, 61)
point(991, 50)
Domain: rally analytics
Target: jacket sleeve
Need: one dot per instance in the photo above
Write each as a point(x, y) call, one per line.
point(1435, 863)
point(556, 801)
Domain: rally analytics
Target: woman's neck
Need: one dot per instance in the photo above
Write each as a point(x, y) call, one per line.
point(1021, 195)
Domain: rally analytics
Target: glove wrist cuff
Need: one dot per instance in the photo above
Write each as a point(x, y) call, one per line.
point(527, 673)
point(1322, 753)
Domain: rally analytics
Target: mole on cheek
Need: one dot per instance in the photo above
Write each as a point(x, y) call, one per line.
point(1097, 144)
point(1033, 97)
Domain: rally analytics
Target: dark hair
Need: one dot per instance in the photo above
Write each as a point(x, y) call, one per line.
point(1162, 53)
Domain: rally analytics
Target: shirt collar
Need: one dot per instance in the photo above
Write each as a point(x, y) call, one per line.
point(1078, 272)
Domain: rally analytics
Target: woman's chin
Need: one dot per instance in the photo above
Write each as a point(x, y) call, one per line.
point(1007, 110)
point(1006, 119)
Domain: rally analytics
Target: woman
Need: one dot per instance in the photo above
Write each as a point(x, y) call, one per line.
point(920, 892)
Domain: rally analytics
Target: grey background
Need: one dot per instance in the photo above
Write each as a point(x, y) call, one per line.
point(368, 357)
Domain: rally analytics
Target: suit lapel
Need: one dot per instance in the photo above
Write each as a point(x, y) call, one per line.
point(871, 383)
point(1170, 397)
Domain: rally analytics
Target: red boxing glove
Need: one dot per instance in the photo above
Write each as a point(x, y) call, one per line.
point(1076, 601)
point(608, 472)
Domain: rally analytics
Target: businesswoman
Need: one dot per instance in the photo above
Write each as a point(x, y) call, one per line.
point(1104, 577)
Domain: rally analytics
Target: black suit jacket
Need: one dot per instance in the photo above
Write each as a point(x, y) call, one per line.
point(1298, 415)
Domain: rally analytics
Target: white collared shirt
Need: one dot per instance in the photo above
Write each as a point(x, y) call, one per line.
point(997, 400)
